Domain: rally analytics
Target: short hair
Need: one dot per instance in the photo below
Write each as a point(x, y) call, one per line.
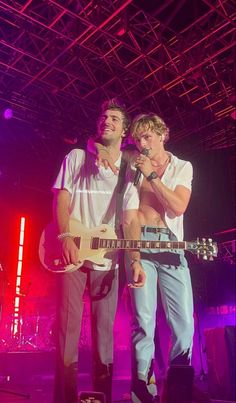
point(115, 104)
point(149, 121)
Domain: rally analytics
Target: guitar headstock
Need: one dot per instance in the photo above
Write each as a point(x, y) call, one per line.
point(204, 248)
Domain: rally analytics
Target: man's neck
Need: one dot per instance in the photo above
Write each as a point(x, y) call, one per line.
point(114, 150)
point(161, 158)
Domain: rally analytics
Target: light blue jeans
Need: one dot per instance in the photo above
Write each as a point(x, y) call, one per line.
point(171, 271)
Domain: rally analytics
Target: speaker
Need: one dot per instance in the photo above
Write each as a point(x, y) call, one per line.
point(92, 397)
point(221, 361)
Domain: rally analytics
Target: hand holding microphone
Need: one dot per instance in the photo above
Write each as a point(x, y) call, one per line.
point(138, 172)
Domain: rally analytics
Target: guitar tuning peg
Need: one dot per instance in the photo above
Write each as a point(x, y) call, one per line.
point(211, 258)
point(205, 257)
point(210, 240)
point(203, 240)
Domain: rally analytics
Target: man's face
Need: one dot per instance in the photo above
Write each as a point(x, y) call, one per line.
point(110, 125)
point(149, 139)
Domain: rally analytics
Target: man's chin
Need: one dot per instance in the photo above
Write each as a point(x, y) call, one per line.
point(105, 137)
point(106, 133)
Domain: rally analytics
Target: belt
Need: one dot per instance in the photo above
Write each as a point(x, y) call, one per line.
point(155, 230)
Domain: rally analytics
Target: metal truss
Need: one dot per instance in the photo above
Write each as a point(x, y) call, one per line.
point(226, 245)
point(60, 58)
point(227, 252)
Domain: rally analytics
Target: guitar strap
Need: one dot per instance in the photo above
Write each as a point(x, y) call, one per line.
point(118, 197)
point(118, 224)
point(120, 194)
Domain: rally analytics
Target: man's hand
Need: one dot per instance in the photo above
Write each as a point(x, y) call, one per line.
point(70, 252)
point(139, 275)
point(143, 162)
point(104, 158)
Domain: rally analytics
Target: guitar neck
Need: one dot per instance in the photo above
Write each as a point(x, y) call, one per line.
point(98, 243)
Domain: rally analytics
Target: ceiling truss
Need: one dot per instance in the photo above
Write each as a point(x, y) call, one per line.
point(59, 59)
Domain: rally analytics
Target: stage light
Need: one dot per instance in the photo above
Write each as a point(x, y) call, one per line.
point(121, 31)
point(16, 322)
point(233, 114)
point(8, 114)
point(68, 140)
point(92, 397)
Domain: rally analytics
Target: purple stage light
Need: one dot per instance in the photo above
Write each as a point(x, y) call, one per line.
point(8, 113)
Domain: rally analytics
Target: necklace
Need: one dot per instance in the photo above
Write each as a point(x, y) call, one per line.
point(161, 165)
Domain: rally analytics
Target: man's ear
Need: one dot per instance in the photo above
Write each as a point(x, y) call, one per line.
point(162, 139)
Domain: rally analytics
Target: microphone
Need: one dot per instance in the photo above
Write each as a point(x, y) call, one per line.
point(137, 175)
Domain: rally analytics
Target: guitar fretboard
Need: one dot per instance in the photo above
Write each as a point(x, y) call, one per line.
point(134, 244)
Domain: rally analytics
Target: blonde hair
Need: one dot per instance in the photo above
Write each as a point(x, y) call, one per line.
point(149, 121)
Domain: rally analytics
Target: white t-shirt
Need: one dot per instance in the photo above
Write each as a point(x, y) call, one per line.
point(93, 192)
point(178, 172)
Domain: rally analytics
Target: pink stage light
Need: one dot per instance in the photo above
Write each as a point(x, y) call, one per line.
point(8, 114)
point(233, 114)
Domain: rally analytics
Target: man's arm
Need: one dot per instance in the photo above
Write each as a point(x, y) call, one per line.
point(61, 203)
point(132, 230)
point(175, 200)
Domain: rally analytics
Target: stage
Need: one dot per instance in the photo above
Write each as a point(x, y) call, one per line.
point(39, 389)
point(28, 377)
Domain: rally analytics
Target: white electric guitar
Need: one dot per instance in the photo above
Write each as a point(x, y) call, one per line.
point(94, 243)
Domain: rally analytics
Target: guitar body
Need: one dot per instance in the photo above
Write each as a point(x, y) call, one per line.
point(50, 246)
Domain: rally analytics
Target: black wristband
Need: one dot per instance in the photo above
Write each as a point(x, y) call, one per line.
point(153, 175)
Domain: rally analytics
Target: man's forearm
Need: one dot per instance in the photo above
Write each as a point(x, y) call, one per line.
point(132, 231)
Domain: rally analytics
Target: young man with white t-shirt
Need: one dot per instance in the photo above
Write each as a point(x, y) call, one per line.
point(87, 191)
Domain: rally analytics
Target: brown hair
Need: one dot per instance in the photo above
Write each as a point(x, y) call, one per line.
point(152, 122)
point(115, 104)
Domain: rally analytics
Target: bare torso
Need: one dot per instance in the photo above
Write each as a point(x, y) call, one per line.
point(151, 211)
